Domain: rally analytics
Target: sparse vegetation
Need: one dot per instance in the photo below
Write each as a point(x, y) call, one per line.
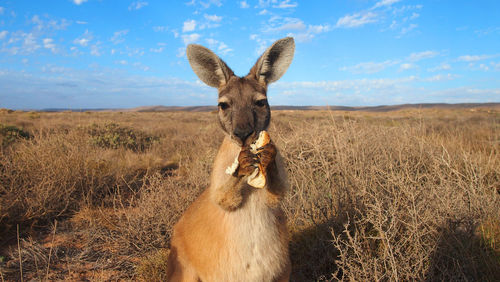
point(10, 134)
point(114, 136)
point(403, 195)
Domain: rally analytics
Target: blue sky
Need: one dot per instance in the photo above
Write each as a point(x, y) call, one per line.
point(125, 53)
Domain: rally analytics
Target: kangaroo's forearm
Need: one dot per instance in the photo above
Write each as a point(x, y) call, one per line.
point(276, 186)
point(229, 195)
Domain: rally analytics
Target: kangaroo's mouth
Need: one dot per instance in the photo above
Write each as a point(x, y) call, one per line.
point(247, 141)
point(236, 140)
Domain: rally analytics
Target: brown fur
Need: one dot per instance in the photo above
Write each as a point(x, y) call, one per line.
point(234, 232)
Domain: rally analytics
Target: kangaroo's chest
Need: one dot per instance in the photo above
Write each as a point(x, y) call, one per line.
point(255, 248)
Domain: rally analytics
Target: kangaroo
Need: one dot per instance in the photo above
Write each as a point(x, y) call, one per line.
point(232, 231)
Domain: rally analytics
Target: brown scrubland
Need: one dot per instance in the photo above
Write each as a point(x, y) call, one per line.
point(412, 194)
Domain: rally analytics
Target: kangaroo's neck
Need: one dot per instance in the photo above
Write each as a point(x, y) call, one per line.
point(228, 151)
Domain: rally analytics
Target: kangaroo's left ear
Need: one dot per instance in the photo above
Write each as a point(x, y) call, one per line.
point(274, 62)
point(208, 66)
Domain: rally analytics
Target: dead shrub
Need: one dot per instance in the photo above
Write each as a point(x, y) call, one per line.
point(114, 136)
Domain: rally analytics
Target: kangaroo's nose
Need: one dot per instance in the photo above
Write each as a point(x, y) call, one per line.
point(242, 133)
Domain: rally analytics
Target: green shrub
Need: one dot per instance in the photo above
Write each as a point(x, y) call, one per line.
point(114, 136)
point(154, 267)
point(9, 134)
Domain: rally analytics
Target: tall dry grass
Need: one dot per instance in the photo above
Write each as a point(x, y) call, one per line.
point(407, 195)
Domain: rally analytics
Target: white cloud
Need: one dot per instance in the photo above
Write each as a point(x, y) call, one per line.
point(95, 50)
point(49, 24)
point(118, 36)
point(474, 58)
point(244, 5)
point(381, 13)
point(213, 18)
point(21, 43)
point(2, 9)
point(49, 68)
point(374, 67)
point(205, 4)
point(484, 67)
point(29, 44)
point(265, 3)
point(190, 38)
point(211, 42)
point(406, 8)
point(262, 44)
point(263, 12)
point(357, 19)
point(3, 34)
point(414, 57)
point(496, 66)
point(189, 26)
point(393, 24)
point(140, 66)
point(160, 28)
point(285, 24)
point(319, 28)
point(157, 50)
point(488, 31)
point(384, 3)
point(223, 48)
point(443, 66)
point(84, 39)
point(78, 2)
point(181, 52)
point(369, 67)
point(137, 5)
point(311, 31)
point(439, 78)
point(36, 20)
point(218, 46)
point(409, 28)
point(48, 43)
point(131, 52)
point(81, 22)
point(406, 66)
point(121, 62)
point(414, 16)
point(285, 4)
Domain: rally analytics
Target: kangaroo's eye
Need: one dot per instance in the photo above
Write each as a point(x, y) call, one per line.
point(261, 103)
point(223, 105)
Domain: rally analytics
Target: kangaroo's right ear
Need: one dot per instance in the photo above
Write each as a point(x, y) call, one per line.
point(274, 62)
point(208, 66)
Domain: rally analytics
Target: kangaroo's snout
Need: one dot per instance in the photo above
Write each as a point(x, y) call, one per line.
point(243, 133)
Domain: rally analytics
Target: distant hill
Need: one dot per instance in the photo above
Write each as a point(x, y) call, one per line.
point(173, 109)
point(383, 108)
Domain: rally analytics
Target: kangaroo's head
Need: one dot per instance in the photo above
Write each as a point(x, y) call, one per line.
point(243, 107)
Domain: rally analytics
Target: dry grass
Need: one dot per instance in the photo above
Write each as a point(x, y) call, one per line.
point(406, 195)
